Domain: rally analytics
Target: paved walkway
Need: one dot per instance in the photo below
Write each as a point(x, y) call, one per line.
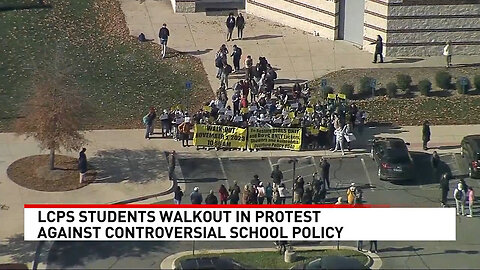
point(297, 55)
point(169, 263)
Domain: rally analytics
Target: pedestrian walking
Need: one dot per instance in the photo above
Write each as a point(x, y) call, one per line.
point(227, 69)
point(82, 165)
point(230, 26)
point(148, 121)
point(237, 55)
point(178, 194)
point(351, 194)
point(447, 52)
point(240, 22)
point(373, 246)
point(459, 196)
point(196, 196)
point(471, 199)
point(444, 186)
point(185, 129)
point(435, 161)
point(425, 134)
point(269, 193)
point(172, 159)
point(211, 198)
point(223, 192)
point(378, 49)
point(360, 245)
point(339, 137)
point(276, 175)
point(325, 165)
point(261, 193)
point(163, 34)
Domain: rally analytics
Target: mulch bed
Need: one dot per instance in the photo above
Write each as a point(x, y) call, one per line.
point(33, 173)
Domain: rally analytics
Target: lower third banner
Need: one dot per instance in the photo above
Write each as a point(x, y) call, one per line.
point(280, 138)
point(219, 136)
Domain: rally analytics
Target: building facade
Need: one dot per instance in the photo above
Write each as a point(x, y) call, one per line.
point(408, 27)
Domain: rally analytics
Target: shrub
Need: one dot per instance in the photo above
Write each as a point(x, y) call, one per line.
point(443, 79)
point(404, 82)
point(463, 89)
point(476, 82)
point(347, 90)
point(365, 86)
point(425, 86)
point(391, 89)
point(327, 90)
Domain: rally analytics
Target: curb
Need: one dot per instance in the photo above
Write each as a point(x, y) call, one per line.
point(374, 261)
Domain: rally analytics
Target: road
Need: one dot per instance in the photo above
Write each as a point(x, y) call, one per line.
point(209, 172)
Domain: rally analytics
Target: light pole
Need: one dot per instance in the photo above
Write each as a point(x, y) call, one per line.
point(293, 161)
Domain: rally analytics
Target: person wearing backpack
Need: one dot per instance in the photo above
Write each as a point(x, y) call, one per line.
point(261, 193)
point(163, 34)
point(459, 196)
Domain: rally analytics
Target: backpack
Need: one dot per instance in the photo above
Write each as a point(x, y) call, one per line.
point(261, 192)
point(145, 119)
point(458, 194)
point(218, 61)
point(228, 69)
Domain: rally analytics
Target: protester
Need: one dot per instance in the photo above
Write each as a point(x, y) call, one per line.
point(234, 197)
point(148, 120)
point(471, 199)
point(172, 159)
point(298, 189)
point(358, 196)
point(248, 68)
point(351, 194)
point(234, 188)
point(185, 129)
point(163, 34)
point(246, 199)
point(240, 22)
point(269, 193)
point(211, 198)
point(425, 134)
point(227, 69)
point(444, 186)
point(196, 196)
point(178, 194)
point(325, 171)
point(459, 196)
point(82, 165)
point(435, 161)
point(339, 137)
point(447, 52)
point(282, 193)
point(378, 49)
point(261, 193)
point(223, 192)
point(307, 197)
point(276, 175)
point(237, 55)
point(166, 125)
point(230, 26)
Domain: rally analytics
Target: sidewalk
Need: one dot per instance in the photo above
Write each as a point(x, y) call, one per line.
point(169, 263)
point(297, 55)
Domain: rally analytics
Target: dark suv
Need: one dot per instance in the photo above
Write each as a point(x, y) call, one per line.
point(470, 149)
point(392, 157)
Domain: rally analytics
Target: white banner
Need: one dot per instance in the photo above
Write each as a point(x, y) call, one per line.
point(292, 223)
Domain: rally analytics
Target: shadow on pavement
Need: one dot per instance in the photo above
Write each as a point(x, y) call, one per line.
point(198, 52)
point(405, 60)
point(394, 249)
point(424, 173)
point(200, 180)
point(260, 37)
point(117, 165)
point(69, 254)
point(17, 249)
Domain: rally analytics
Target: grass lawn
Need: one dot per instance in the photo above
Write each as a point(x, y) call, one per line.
point(442, 107)
point(119, 76)
point(273, 260)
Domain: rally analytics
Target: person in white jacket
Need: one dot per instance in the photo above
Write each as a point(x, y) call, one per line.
point(447, 51)
point(339, 137)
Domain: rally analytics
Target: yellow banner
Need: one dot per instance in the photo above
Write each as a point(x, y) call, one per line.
point(280, 138)
point(219, 136)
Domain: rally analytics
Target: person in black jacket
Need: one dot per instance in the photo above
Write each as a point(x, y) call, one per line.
point(237, 55)
point(178, 194)
point(230, 26)
point(240, 25)
point(163, 34)
point(82, 165)
point(378, 49)
point(425, 134)
point(325, 172)
point(444, 186)
point(211, 198)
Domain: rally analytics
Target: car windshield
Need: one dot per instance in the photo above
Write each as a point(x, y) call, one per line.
point(397, 153)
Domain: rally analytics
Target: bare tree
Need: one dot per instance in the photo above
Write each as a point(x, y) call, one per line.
point(52, 115)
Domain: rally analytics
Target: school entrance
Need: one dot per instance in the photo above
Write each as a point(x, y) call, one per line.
point(350, 26)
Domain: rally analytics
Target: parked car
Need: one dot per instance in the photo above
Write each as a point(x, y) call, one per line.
point(470, 150)
point(393, 159)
